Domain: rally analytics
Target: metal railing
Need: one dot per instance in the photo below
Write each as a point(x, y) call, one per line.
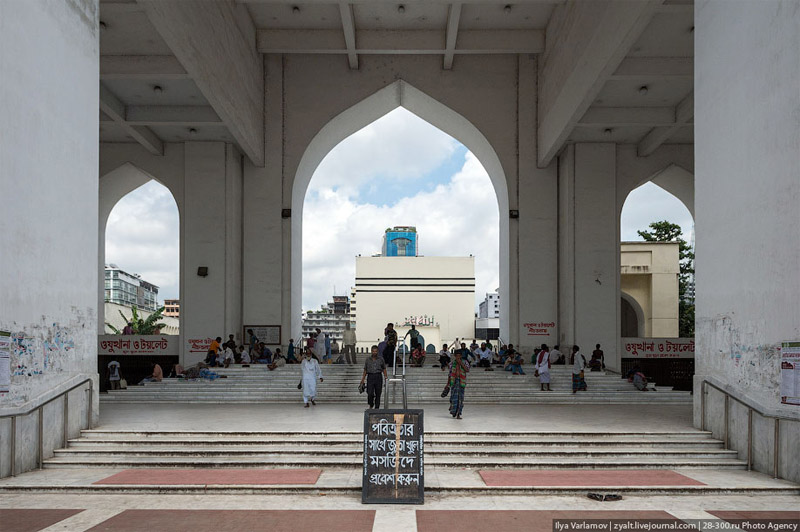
point(750, 409)
point(395, 379)
point(40, 408)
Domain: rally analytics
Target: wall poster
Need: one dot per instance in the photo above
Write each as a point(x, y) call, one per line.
point(790, 373)
point(5, 361)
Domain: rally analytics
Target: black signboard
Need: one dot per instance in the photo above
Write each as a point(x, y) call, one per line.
point(393, 470)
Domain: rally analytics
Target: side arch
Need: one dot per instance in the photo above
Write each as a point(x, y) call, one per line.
point(637, 308)
point(397, 94)
point(114, 186)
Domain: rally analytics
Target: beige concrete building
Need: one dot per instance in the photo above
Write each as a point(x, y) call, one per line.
point(437, 294)
point(649, 289)
point(112, 316)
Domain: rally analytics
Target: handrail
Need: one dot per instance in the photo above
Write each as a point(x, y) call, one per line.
point(750, 409)
point(40, 408)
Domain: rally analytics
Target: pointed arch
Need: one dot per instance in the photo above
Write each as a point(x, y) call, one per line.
point(397, 94)
point(114, 186)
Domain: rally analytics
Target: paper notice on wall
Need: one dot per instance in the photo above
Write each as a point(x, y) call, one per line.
point(790, 373)
point(5, 361)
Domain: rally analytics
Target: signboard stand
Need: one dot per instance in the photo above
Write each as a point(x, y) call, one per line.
point(269, 334)
point(393, 468)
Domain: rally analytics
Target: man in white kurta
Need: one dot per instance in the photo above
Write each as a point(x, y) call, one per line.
point(543, 367)
point(311, 371)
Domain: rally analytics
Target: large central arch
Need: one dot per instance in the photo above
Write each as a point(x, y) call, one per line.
point(397, 94)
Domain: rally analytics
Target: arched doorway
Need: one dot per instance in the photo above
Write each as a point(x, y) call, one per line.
point(399, 171)
point(397, 94)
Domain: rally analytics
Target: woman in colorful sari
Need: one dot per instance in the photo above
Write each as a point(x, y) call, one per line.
point(457, 381)
point(578, 366)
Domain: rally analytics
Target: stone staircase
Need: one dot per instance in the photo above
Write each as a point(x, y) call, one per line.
point(424, 385)
point(343, 449)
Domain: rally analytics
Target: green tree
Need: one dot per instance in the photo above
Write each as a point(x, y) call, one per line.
point(145, 326)
point(665, 231)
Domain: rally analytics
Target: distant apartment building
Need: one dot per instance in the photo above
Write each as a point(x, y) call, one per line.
point(172, 308)
point(490, 306)
point(330, 319)
point(129, 290)
point(487, 324)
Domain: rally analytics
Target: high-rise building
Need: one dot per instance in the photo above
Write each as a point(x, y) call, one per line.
point(400, 241)
point(129, 290)
point(331, 318)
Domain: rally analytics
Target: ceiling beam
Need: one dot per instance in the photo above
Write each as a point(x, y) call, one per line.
point(650, 68)
point(227, 70)
point(628, 116)
point(453, 19)
point(388, 42)
point(395, 2)
point(581, 56)
point(145, 67)
point(349, 30)
point(171, 115)
point(684, 112)
point(115, 109)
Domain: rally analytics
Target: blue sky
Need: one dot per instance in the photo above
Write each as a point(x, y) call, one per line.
point(399, 170)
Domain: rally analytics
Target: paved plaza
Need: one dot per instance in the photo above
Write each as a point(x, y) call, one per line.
point(512, 497)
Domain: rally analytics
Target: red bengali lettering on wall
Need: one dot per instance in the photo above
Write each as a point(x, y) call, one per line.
point(658, 347)
point(111, 344)
point(199, 345)
point(540, 328)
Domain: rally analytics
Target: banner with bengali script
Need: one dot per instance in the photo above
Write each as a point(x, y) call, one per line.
point(658, 348)
point(137, 345)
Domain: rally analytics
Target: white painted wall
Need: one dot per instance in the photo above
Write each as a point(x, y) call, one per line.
point(48, 220)
point(747, 131)
point(48, 171)
point(387, 293)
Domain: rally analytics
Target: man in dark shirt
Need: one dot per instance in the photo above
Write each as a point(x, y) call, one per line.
point(373, 368)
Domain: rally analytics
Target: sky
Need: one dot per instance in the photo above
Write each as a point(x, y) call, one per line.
point(399, 170)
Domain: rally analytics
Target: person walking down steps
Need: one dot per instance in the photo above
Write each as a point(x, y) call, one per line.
point(311, 372)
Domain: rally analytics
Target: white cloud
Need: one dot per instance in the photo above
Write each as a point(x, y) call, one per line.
point(397, 146)
point(651, 203)
point(142, 236)
point(457, 218)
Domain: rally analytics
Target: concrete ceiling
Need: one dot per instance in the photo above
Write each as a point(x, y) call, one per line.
point(148, 95)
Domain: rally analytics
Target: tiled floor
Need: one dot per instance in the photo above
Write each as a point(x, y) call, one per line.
point(177, 477)
point(31, 519)
point(571, 477)
point(517, 520)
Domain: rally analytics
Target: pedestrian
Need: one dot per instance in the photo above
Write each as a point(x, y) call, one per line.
point(414, 333)
point(156, 375)
point(373, 367)
point(253, 338)
point(319, 346)
point(290, 358)
point(543, 367)
point(128, 329)
point(597, 361)
point(311, 371)
point(113, 375)
point(555, 356)
point(349, 341)
point(578, 366)
point(391, 343)
point(213, 349)
point(457, 381)
point(444, 357)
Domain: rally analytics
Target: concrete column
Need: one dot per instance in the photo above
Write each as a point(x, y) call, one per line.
point(49, 52)
point(589, 249)
point(265, 295)
point(210, 239)
point(535, 260)
point(746, 193)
